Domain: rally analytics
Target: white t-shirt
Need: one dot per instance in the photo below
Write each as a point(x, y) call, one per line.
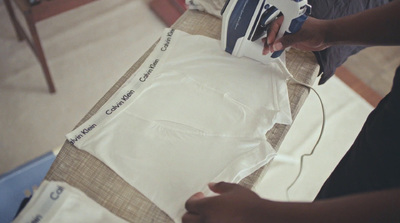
point(190, 115)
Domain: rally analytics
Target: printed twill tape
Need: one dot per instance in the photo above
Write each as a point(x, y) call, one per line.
point(120, 101)
point(284, 68)
point(53, 194)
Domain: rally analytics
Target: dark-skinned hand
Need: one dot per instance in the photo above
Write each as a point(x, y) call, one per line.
point(235, 204)
point(311, 37)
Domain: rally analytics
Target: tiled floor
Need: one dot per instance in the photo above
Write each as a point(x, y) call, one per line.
point(358, 85)
point(88, 49)
point(375, 67)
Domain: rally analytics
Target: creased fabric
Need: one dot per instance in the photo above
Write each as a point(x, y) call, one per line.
point(191, 114)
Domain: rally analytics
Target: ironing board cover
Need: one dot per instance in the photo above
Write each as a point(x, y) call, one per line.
point(83, 171)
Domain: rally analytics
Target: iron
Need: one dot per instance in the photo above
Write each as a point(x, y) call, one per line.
point(246, 22)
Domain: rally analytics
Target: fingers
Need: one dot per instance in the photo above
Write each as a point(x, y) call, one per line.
point(196, 202)
point(193, 204)
point(198, 206)
point(271, 36)
point(274, 29)
point(284, 42)
point(221, 187)
point(280, 44)
point(191, 218)
point(267, 47)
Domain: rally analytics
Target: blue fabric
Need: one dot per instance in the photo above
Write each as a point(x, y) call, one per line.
point(14, 183)
point(333, 57)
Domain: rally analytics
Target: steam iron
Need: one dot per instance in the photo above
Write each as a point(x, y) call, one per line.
point(246, 22)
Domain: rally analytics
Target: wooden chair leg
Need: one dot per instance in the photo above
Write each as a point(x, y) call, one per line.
point(37, 48)
point(14, 21)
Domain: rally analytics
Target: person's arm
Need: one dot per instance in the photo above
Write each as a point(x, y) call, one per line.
point(377, 26)
point(240, 205)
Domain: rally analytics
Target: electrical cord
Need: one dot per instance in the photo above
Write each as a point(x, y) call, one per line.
point(282, 65)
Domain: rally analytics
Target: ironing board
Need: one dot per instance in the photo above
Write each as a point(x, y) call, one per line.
point(85, 172)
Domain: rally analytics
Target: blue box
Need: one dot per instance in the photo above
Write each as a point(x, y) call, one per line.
point(14, 184)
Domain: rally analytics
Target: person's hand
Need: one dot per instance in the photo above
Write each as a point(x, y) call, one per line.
point(311, 37)
point(234, 204)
